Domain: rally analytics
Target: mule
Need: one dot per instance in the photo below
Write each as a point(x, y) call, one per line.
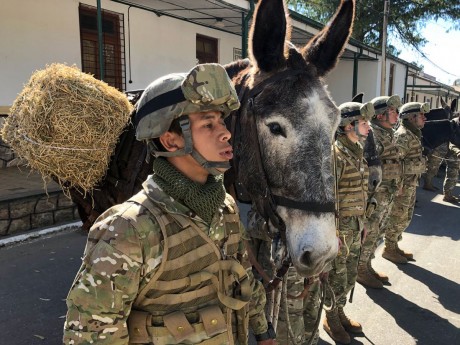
point(288, 120)
point(441, 127)
point(445, 112)
point(283, 148)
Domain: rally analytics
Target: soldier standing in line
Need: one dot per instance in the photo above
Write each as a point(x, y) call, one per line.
point(383, 123)
point(433, 162)
point(352, 177)
point(169, 265)
point(452, 170)
point(303, 312)
point(451, 154)
point(408, 137)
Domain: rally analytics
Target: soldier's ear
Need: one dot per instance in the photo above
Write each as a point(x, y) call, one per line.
point(172, 141)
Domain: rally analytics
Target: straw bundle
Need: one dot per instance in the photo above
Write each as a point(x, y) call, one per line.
point(66, 124)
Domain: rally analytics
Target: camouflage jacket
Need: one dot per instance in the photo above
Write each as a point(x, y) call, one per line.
point(408, 138)
point(388, 150)
point(120, 259)
point(352, 176)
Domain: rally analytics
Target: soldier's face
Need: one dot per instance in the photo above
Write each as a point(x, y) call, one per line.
point(363, 128)
point(210, 136)
point(420, 120)
point(393, 116)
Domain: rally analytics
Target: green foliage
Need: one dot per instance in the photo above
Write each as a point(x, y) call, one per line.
point(406, 18)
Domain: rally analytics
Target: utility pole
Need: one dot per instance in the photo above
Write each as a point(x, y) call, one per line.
point(383, 76)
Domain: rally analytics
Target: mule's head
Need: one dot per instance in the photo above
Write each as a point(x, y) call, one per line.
point(296, 121)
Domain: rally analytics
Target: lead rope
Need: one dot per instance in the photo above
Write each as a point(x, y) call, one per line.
point(324, 286)
point(324, 282)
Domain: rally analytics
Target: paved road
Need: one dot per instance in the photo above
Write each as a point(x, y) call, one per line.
point(421, 306)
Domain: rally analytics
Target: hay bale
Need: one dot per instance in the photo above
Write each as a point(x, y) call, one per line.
point(66, 124)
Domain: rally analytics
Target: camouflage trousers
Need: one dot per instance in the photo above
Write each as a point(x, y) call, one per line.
point(452, 169)
point(303, 312)
point(342, 276)
point(375, 224)
point(434, 159)
point(402, 210)
point(452, 166)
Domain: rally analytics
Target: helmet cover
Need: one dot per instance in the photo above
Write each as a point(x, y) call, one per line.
point(206, 87)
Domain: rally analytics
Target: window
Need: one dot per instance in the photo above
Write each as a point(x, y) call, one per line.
point(206, 49)
point(391, 79)
point(113, 47)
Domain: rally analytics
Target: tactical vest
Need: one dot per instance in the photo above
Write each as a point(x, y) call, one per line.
point(391, 164)
point(192, 296)
point(414, 163)
point(352, 186)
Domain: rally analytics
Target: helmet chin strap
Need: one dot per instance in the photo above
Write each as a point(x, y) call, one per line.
point(361, 137)
point(210, 166)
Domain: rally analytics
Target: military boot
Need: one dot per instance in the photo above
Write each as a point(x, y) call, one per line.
point(334, 328)
point(407, 255)
point(349, 324)
point(428, 185)
point(366, 278)
point(391, 253)
point(448, 197)
point(380, 276)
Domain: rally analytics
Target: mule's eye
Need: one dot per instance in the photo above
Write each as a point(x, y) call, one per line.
point(276, 129)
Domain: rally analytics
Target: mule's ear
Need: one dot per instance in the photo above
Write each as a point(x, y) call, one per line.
point(443, 103)
point(358, 98)
point(233, 68)
point(268, 35)
point(324, 49)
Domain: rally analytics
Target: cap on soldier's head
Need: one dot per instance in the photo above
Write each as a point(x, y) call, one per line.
point(353, 111)
point(382, 103)
point(206, 87)
point(413, 108)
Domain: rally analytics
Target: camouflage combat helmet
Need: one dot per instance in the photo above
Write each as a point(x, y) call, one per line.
point(413, 108)
point(382, 103)
point(354, 111)
point(206, 87)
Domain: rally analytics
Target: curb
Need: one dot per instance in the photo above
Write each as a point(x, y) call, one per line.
point(38, 233)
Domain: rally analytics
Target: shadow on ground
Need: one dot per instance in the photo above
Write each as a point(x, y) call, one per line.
point(430, 328)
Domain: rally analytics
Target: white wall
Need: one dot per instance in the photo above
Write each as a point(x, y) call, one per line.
point(33, 34)
point(36, 33)
point(340, 81)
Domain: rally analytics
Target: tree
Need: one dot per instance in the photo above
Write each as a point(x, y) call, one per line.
point(406, 18)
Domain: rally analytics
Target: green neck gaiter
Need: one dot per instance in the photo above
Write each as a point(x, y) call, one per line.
point(354, 148)
point(203, 199)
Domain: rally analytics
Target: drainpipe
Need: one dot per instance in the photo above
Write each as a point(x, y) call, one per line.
point(355, 70)
point(245, 29)
point(405, 84)
point(101, 43)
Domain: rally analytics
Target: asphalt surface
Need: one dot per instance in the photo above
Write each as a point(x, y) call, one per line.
point(421, 305)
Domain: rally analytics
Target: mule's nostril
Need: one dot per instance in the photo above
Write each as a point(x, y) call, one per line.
point(306, 258)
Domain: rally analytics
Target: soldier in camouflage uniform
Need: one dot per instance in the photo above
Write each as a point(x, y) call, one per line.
point(352, 177)
point(302, 312)
point(169, 265)
point(452, 170)
point(385, 118)
point(408, 137)
point(451, 154)
point(433, 162)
